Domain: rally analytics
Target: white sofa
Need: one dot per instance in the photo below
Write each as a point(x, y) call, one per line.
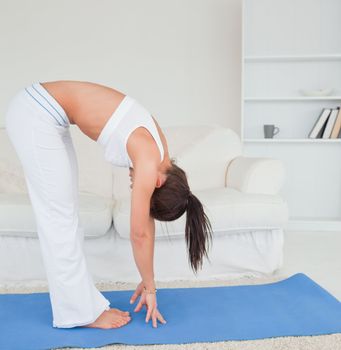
point(240, 196)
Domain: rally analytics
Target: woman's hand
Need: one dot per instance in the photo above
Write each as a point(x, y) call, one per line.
point(138, 292)
point(149, 300)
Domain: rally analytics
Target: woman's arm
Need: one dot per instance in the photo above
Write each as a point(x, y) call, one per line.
point(142, 225)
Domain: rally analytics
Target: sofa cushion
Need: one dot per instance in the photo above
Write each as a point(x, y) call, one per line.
point(17, 217)
point(228, 209)
point(205, 161)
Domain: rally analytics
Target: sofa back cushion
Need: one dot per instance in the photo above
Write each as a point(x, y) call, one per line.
point(11, 175)
point(206, 159)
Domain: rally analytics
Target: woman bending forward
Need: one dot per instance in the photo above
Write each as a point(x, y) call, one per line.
point(37, 121)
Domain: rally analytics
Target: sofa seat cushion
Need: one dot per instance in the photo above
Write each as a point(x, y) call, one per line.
point(229, 211)
point(17, 217)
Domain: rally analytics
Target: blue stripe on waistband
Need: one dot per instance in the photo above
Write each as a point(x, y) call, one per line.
point(44, 107)
point(49, 103)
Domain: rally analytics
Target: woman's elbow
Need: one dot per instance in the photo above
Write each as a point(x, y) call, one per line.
point(139, 237)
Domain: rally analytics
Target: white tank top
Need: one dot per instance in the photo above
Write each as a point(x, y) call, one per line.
point(128, 116)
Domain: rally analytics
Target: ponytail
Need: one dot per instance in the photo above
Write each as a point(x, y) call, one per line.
point(198, 232)
point(170, 201)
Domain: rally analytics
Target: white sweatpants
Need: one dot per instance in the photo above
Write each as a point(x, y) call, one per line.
point(38, 128)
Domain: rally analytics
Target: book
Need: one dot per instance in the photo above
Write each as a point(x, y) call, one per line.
point(337, 126)
point(330, 124)
point(320, 133)
point(320, 124)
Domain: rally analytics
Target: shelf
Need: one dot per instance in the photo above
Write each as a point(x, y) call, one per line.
point(293, 58)
point(313, 224)
point(306, 140)
point(297, 98)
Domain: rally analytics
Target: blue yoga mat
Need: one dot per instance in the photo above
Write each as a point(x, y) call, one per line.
point(295, 306)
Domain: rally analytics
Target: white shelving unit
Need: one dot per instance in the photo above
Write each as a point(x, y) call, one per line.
point(294, 140)
point(293, 98)
point(285, 49)
point(293, 58)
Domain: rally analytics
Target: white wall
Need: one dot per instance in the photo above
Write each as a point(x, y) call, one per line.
point(180, 58)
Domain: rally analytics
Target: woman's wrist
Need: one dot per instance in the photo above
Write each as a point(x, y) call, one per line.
point(149, 291)
point(149, 285)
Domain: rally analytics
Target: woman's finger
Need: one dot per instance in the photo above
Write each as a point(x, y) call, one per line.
point(160, 317)
point(134, 296)
point(139, 306)
point(154, 318)
point(149, 312)
point(137, 292)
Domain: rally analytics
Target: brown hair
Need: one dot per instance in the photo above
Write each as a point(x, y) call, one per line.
point(171, 200)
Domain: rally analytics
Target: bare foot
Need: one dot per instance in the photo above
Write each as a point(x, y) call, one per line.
point(118, 311)
point(112, 318)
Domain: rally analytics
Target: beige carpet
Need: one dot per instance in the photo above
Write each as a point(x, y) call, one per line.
point(322, 342)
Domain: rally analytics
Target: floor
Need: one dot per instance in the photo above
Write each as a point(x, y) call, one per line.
point(317, 254)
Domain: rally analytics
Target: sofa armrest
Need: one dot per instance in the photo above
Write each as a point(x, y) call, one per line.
point(255, 175)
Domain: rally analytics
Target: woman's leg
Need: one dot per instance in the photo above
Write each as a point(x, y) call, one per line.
point(46, 152)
